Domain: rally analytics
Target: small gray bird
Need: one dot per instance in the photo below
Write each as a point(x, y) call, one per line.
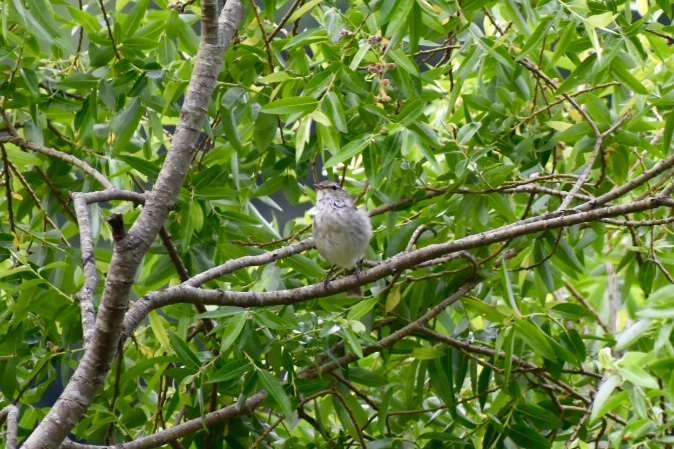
point(342, 232)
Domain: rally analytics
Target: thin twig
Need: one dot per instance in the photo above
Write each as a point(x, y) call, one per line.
point(266, 41)
point(22, 179)
point(414, 326)
point(581, 299)
point(109, 28)
point(285, 19)
point(8, 191)
point(352, 417)
point(669, 39)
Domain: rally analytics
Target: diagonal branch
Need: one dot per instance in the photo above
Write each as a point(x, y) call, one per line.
point(188, 293)
point(86, 294)
point(65, 157)
point(388, 341)
point(248, 406)
point(8, 190)
point(180, 430)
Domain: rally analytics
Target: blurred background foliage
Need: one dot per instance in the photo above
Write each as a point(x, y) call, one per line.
point(476, 113)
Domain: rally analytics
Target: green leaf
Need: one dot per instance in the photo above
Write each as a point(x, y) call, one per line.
point(605, 401)
point(44, 14)
point(233, 370)
point(343, 416)
point(157, 325)
point(233, 329)
point(143, 166)
point(489, 312)
point(535, 339)
point(366, 377)
point(310, 36)
point(528, 437)
point(350, 150)
point(483, 383)
point(188, 37)
point(80, 81)
point(384, 408)
point(222, 312)
point(624, 76)
point(22, 158)
point(443, 383)
point(473, 5)
point(598, 109)
point(362, 308)
point(573, 311)
point(39, 20)
point(428, 353)
point(352, 341)
point(328, 138)
point(299, 12)
point(638, 376)
point(84, 19)
point(354, 405)
point(387, 11)
point(540, 417)
point(196, 215)
point(266, 126)
point(124, 126)
point(536, 37)
point(411, 112)
point(631, 334)
point(414, 23)
point(567, 256)
point(305, 265)
point(275, 77)
point(498, 52)
point(563, 43)
point(135, 17)
point(505, 276)
point(401, 16)
point(291, 105)
point(543, 269)
point(403, 61)
point(647, 272)
point(276, 391)
point(183, 351)
point(578, 75)
point(302, 137)
point(509, 347)
point(574, 133)
point(333, 108)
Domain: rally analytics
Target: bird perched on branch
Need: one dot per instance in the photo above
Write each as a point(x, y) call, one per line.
point(342, 232)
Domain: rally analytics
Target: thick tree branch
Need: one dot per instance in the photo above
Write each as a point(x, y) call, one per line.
point(113, 194)
point(11, 414)
point(591, 203)
point(188, 293)
point(129, 251)
point(86, 294)
point(251, 403)
point(186, 428)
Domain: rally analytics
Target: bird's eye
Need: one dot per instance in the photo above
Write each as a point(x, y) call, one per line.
point(335, 187)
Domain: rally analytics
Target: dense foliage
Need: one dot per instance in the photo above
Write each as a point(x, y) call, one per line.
point(515, 156)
